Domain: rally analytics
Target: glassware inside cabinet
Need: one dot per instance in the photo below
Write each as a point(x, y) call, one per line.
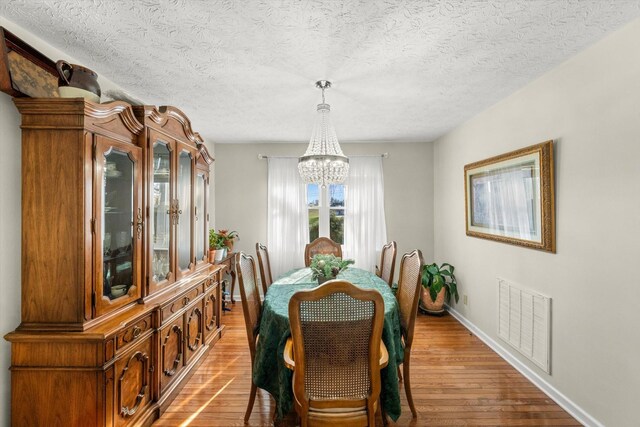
point(184, 209)
point(161, 200)
point(117, 224)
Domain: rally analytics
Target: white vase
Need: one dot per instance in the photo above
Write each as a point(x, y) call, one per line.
point(221, 254)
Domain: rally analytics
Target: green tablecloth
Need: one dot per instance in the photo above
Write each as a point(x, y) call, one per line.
point(270, 372)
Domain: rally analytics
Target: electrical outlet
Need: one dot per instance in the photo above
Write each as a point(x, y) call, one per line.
point(465, 300)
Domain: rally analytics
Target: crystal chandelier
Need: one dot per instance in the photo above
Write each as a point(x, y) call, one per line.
point(323, 163)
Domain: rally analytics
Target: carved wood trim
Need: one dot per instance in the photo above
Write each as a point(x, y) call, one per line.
point(144, 359)
point(161, 116)
point(176, 363)
point(123, 109)
point(197, 312)
point(80, 107)
point(211, 300)
point(204, 154)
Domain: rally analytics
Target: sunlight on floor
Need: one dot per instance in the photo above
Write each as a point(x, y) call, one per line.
point(201, 408)
point(207, 383)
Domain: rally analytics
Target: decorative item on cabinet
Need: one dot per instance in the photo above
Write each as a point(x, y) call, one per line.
point(76, 81)
point(99, 350)
point(220, 244)
point(24, 71)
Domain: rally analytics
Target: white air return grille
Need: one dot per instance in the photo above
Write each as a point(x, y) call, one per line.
point(524, 321)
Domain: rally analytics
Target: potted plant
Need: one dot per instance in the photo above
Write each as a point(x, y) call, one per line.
point(228, 238)
point(327, 267)
point(438, 285)
point(216, 245)
point(220, 242)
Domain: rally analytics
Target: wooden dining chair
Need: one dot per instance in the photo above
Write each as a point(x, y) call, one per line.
point(387, 262)
point(252, 309)
point(265, 267)
point(336, 353)
point(322, 245)
point(408, 295)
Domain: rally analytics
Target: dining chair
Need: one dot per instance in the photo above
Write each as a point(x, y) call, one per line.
point(387, 262)
point(336, 353)
point(321, 245)
point(408, 295)
point(252, 309)
point(265, 267)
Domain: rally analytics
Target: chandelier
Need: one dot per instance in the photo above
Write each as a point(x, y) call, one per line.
point(323, 163)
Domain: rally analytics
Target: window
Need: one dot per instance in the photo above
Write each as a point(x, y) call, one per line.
point(326, 211)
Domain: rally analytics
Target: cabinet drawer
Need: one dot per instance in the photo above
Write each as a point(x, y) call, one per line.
point(132, 332)
point(181, 302)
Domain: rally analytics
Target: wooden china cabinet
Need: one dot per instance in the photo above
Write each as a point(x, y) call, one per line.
point(118, 302)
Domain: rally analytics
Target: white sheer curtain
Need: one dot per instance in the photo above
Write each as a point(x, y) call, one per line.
point(365, 229)
point(287, 218)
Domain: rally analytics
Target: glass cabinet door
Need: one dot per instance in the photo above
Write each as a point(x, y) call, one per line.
point(202, 244)
point(160, 214)
point(118, 224)
point(184, 210)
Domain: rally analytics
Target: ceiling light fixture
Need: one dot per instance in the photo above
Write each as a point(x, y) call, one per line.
point(323, 163)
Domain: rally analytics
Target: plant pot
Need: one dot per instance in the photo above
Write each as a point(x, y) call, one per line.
point(430, 306)
point(220, 254)
point(230, 246)
point(212, 256)
point(322, 279)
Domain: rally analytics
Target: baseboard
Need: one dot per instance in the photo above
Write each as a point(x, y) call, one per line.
point(563, 401)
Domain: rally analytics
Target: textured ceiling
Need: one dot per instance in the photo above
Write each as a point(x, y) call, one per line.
point(245, 70)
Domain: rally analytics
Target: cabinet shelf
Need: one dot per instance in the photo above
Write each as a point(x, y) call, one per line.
point(109, 258)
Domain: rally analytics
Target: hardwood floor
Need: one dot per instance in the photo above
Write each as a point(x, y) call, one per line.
point(456, 380)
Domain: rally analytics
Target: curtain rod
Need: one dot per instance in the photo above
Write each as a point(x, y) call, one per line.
point(264, 157)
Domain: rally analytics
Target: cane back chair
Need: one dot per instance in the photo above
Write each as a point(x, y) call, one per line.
point(252, 309)
point(387, 262)
point(265, 267)
point(336, 353)
point(321, 245)
point(408, 294)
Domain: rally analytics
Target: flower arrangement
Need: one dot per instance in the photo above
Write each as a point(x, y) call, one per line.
point(325, 267)
point(222, 239)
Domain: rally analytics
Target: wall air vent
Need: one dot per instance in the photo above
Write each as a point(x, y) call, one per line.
point(524, 321)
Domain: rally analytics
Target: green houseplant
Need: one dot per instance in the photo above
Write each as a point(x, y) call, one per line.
point(222, 239)
point(438, 285)
point(215, 240)
point(327, 267)
point(218, 244)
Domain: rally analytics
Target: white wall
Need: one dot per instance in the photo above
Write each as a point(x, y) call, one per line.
point(591, 106)
point(10, 214)
point(241, 191)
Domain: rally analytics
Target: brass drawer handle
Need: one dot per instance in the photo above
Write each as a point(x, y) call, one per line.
point(136, 332)
point(185, 301)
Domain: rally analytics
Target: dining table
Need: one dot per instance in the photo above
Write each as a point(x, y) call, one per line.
point(269, 370)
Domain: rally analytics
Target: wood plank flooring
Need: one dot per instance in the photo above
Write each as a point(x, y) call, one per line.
point(456, 381)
